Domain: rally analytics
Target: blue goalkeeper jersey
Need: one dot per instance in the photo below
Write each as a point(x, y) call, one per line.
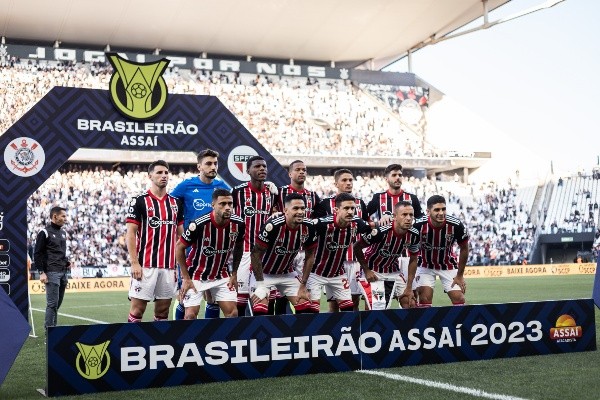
point(196, 196)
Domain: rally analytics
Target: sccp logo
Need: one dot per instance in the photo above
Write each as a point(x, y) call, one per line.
point(92, 361)
point(138, 90)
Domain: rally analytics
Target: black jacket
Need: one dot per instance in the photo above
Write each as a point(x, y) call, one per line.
point(51, 249)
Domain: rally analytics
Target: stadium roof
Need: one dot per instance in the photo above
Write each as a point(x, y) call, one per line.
point(345, 31)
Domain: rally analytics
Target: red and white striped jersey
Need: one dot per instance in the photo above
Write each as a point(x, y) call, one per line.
point(254, 207)
point(211, 246)
point(157, 221)
point(437, 243)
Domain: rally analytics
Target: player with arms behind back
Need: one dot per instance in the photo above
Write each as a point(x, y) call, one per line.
point(154, 222)
point(439, 232)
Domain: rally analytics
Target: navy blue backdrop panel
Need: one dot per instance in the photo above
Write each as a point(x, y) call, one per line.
point(67, 119)
point(97, 358)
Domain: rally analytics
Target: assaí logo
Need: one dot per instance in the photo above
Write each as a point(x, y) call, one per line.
point(92, 361)
point(138, 90)
point(565, 330)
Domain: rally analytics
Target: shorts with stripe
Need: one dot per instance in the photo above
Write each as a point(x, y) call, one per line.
point(156, 284)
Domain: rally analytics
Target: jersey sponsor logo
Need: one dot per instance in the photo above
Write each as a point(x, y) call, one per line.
point(155, 222)
point(387, 253)
point(280, 250)
point(236, 162)
point(332, 246)
point(250, 211)
point(24, 156)
point(93, 361)
point(199, 204)
point(138, 90)
point(210, 251)
point(429, 247)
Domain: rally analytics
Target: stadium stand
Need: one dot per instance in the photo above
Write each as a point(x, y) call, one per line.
point(339, 118)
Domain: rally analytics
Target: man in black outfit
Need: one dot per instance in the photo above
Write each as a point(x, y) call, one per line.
point(50, 257)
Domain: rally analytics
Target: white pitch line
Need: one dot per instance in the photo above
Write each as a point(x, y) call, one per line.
point(441, 385)
point(74, 316)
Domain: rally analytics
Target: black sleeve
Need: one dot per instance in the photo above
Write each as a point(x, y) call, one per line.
point(320, 210)
point(417, 207)
point(365, 215)
point(39, 254)
point(372, 207)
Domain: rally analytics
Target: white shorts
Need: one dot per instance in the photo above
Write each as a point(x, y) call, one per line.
point(299, 262)
point(336, 288)
point(354, 272)
point(404, 261)
point(426, 277)
point(243, 274)
point(218, 290)
point(397, 277)
point(287, 284)
point(156, 284)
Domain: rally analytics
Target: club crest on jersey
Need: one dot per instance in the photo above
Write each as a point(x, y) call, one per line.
point(233, 236)
point(138, 90)
point(24, 157)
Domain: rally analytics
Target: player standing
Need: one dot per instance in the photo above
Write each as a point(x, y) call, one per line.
point(196, 195)
point(252, 201)
point(439, 233)
point(154, 222)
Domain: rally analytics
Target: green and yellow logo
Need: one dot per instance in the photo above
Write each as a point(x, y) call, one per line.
point(93, 361)
point(138, 90)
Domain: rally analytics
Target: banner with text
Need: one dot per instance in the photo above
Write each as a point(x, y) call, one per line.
point(99, 358)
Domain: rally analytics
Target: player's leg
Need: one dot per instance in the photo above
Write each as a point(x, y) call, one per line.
point(426, 282)
point(314, 286)
point(354, 273)
point(179, 310)
point(164, 292)
point(225, 298)
point(340, 289)
point(140, 293)
point(192, 300)
point(212, 308)
point(454, 292)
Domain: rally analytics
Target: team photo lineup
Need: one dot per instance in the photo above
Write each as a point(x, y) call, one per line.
point(252, 249)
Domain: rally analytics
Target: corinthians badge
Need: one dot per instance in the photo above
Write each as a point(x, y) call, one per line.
point(24, 157)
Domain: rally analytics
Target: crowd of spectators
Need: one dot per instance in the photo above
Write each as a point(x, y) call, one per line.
point(96, 199)
point(339, 118)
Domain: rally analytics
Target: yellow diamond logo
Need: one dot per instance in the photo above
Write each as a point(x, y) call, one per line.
point(138, 90)
point(92, 361)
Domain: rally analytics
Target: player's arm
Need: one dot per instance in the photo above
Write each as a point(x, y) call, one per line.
point(417, 207)
point(463, 256)
point(358, 251)
point(130, 241)
point(309, 261)
point(238, 251)
point(186, 280)
point(412, 271)
point(256, 261)
point(256, 256)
